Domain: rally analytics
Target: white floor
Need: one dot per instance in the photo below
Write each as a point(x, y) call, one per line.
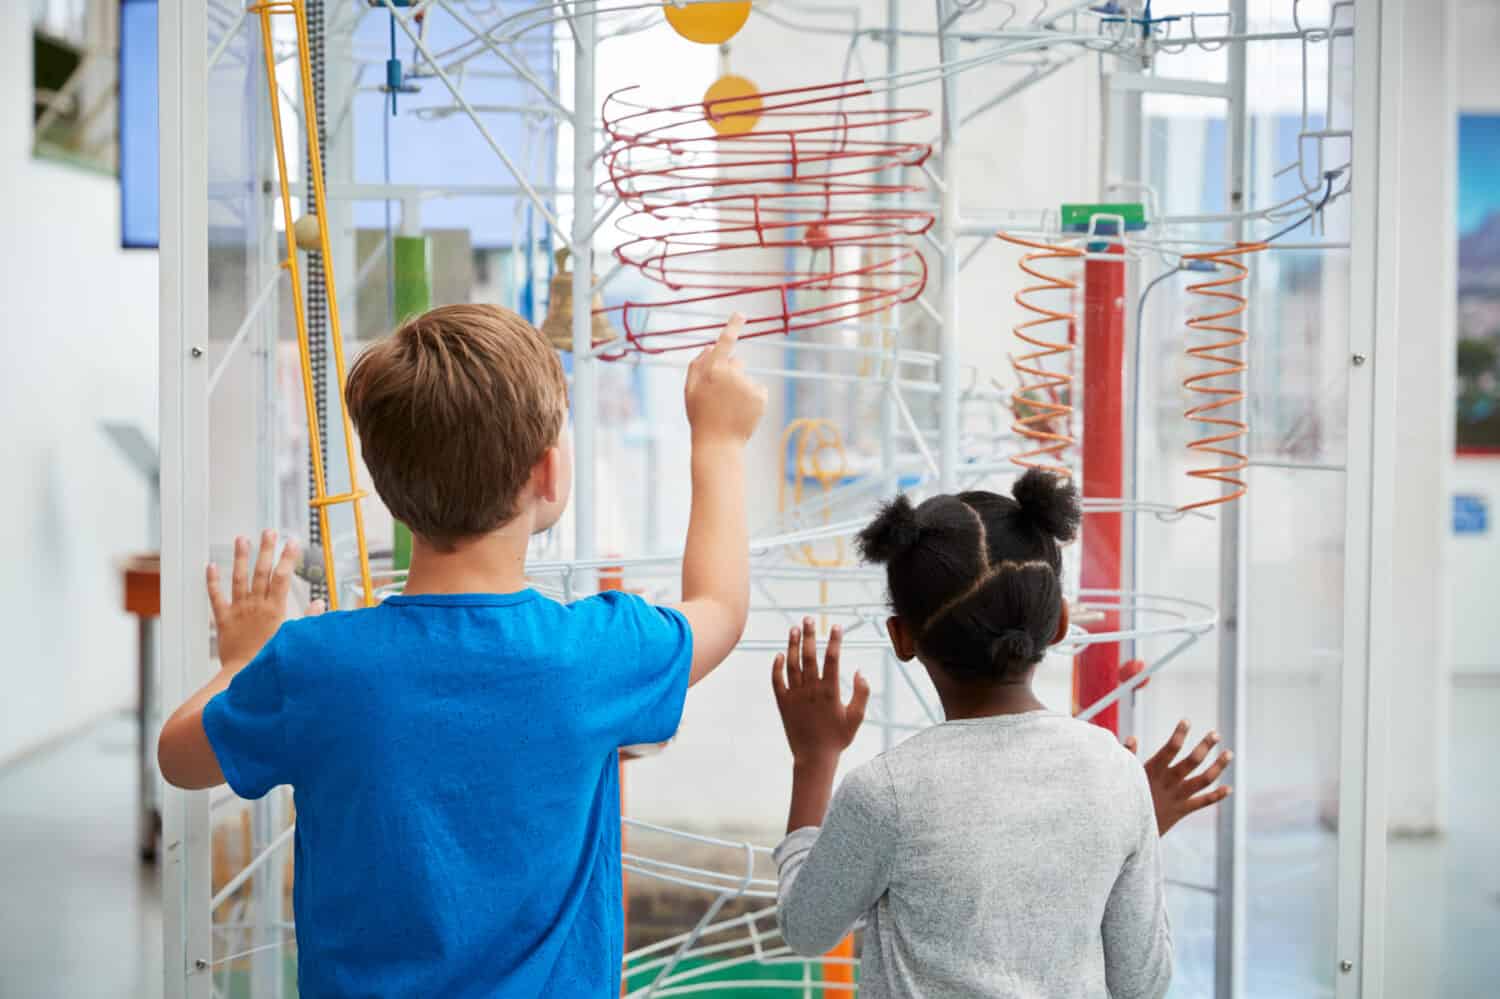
point(81, 918)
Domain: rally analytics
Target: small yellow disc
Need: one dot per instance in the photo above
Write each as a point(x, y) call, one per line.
point(708, 23)
point(732, 105)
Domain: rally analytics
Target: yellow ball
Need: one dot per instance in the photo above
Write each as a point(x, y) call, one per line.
point(732, 105)
point(708, 23)
point(305, 233)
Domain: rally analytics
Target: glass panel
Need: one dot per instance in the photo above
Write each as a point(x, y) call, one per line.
point(1297, 325)
point(477, 244)
point(253, 452)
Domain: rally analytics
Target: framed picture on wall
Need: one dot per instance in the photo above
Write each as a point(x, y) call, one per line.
point(1479, 284)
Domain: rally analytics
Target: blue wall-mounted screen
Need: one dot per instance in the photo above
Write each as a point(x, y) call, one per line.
point(140, 193)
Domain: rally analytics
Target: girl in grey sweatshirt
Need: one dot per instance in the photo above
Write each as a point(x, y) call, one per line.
point(1010, 851)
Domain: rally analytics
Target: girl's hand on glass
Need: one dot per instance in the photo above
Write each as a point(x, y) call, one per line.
point(819, 725)
point(1175, 790)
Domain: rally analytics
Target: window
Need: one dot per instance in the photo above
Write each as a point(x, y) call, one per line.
point(74, 81)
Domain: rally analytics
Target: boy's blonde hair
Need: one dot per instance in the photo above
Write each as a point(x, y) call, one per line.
point(454, 410)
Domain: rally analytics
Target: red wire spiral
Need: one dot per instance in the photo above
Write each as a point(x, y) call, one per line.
point(1047, 419)
point(1224, 354)
point(807, 177)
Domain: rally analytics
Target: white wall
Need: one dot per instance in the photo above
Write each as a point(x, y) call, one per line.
point(1475, 559)
point(79, 346)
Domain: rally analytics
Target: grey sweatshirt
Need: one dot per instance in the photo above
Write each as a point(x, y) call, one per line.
point(1013, 856)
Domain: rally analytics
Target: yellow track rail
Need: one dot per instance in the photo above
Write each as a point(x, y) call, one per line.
point(321, 501)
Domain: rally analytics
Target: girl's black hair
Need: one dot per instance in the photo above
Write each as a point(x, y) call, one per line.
point(976, 576)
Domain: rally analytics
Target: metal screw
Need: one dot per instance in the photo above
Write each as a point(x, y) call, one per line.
point(1359, 359)
point(196, 352)
point(1346, 966)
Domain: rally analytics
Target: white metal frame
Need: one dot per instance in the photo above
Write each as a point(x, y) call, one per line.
point(183, 394)
point(1369, 589)
point(186, 386)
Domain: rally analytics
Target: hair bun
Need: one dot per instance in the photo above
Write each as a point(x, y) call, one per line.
point(893, 531)
point(1050, 502)
point(1013, 648)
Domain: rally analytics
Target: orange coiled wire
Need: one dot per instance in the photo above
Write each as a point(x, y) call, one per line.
point(1226, 365)
point(1042, 414)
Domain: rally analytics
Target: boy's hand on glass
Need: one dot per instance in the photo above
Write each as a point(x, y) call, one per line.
point(1175, 790)
point(723, 403)
point(257, 602)
point(819, 725)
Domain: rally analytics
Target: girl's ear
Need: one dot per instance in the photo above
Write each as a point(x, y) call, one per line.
point(901, 639)
point(1063, 620)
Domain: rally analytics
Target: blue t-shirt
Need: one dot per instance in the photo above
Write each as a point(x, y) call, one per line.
point(455, 768)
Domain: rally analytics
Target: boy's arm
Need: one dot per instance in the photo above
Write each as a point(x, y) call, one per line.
point(244, 624)
point(723, 407)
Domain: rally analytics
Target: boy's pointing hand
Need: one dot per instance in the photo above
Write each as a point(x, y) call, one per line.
point(723, 403)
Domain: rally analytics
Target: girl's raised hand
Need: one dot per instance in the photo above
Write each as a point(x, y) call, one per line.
point(1176, 790)
point(819, 725)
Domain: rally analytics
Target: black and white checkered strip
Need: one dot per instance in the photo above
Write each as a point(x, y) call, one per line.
point(316, 302)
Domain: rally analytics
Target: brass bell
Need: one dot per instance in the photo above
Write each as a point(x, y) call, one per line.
point(558, 326)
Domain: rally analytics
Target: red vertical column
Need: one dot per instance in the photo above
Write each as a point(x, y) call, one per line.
point(1097, 669)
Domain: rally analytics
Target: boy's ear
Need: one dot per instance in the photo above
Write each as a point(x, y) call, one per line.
point(901, 640)
point(546, 475)
point(1063, 620)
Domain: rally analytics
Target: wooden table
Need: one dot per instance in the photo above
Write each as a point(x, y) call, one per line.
point(142, 580)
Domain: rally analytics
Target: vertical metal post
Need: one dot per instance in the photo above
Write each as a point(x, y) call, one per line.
point(269, 813)
point(183, 395)
point(888, 415)
point(1120, 112)
point(948, 369)
point(585, 367)
point(146, 749)
point(1369, 597)
point(1229, 855)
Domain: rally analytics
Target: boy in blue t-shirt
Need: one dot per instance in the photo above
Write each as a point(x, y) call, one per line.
point(453, 751)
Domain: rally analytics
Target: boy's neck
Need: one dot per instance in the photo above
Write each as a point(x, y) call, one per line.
point(489, 563)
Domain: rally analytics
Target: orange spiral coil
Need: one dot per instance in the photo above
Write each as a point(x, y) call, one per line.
point(1039, 404)
point(1225, 356)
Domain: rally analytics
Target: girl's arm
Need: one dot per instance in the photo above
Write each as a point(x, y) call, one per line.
point(829, 876)
point(812, 786)
point(833, 875)
point(1137, 936)
point(819, 725)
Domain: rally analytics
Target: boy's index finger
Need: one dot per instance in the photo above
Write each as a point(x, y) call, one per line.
point(729, 336)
